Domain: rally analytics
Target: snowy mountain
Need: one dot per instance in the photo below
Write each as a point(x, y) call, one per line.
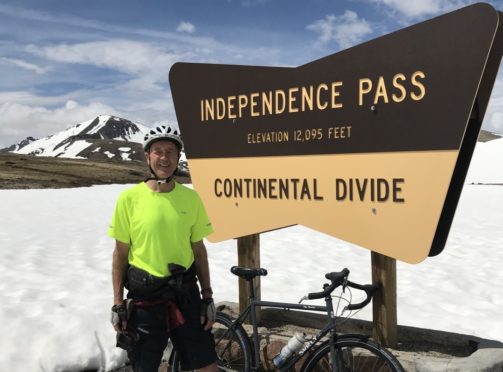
point(100, 138)
point(21, 144)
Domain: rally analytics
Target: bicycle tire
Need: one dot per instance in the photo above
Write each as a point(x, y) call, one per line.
point(355, 355)
point(231, 344)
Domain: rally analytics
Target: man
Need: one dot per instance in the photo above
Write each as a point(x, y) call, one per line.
point(159, 226)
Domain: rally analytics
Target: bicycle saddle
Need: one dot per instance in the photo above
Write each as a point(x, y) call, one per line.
point(248, 273)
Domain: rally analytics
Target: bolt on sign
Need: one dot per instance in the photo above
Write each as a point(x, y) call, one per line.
point(370, 145)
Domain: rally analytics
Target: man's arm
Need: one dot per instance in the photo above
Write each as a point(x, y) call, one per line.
point(119, 272)
point(202, 266)
point(203, 273)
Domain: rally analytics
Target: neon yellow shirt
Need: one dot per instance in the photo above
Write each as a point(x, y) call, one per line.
point(159, 227)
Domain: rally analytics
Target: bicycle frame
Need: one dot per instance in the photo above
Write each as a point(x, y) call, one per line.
point(330, 326)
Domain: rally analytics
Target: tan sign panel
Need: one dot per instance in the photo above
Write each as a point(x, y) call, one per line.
point(370, 145)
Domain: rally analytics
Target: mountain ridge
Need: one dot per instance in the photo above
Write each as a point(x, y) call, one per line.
point(103, 150)
point(78, 141)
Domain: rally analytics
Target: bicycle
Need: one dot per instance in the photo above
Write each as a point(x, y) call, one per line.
point(337, 353)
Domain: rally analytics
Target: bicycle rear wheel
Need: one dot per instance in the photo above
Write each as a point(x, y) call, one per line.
point(231, 344)
point(353, 354)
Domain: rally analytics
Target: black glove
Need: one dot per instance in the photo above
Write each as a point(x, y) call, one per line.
point(118, 315)
point(208, 309)
point(127, 340)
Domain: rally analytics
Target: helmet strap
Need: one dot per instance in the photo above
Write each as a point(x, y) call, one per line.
point(160, 181)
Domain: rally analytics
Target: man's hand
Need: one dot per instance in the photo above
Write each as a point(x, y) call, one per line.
point(208, 313)
point(118, 317)
point(119, 274)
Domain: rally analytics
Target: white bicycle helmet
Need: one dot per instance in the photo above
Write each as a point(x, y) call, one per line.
point(162, 132)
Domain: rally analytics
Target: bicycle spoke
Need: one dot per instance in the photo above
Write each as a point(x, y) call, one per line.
point(228, 348)
point(357, 359)
point(231, 345)
point(353, 359)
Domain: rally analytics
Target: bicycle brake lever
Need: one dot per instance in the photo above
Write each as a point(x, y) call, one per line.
point(344, 285)
point(303, 298)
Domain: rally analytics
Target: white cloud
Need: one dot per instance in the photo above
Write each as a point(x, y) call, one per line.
point(346, 29)
point(90, 24)
point(411, 10)
point(30, 99)
point(123, 55)
point(24, 65)
point(130, 57)
point(186, 27)
point(248, 3)
point(20, 120)
point(23, 13)
point(147, 61)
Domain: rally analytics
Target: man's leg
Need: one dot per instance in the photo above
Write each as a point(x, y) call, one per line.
point(147, 353)
point(196, 347)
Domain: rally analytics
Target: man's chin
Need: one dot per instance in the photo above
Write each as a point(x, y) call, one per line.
point(161, 174)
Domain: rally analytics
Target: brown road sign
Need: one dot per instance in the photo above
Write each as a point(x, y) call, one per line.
point(370, 145)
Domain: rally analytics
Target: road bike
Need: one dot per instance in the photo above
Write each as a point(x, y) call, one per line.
point(326, 351)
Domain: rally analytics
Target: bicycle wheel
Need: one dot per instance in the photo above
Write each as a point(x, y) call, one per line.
point(231, 344)
point(353, 354)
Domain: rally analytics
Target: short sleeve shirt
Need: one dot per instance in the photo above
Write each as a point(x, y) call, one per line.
point(159, 227)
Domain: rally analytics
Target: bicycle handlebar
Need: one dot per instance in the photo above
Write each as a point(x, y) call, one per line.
point(341, 278)
point(369, 291)
point(336, 278)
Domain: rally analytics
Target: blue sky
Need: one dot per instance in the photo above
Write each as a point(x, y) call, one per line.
point(66, 61)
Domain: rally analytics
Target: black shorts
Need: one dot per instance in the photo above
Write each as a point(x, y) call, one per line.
point(195, 345)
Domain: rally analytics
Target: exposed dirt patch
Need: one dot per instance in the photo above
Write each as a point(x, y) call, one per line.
point(31, 172)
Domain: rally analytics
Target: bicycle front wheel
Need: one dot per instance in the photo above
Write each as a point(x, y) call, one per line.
point(352, 354)
point(231, 344)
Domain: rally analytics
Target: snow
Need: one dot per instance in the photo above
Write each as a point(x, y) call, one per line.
point(487, 163)
point(48, 146)
point(55, 281)
point(72, 150)
point(138, 137)
point(125, 153)
point(101, 123)
point(183, 157)
point(109, 154)
point(49, 143)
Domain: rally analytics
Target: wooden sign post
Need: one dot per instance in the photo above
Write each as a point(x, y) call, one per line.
point(249, 256)
point(384, 301)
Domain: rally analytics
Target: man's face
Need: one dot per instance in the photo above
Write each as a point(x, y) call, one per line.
point(163, 158)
